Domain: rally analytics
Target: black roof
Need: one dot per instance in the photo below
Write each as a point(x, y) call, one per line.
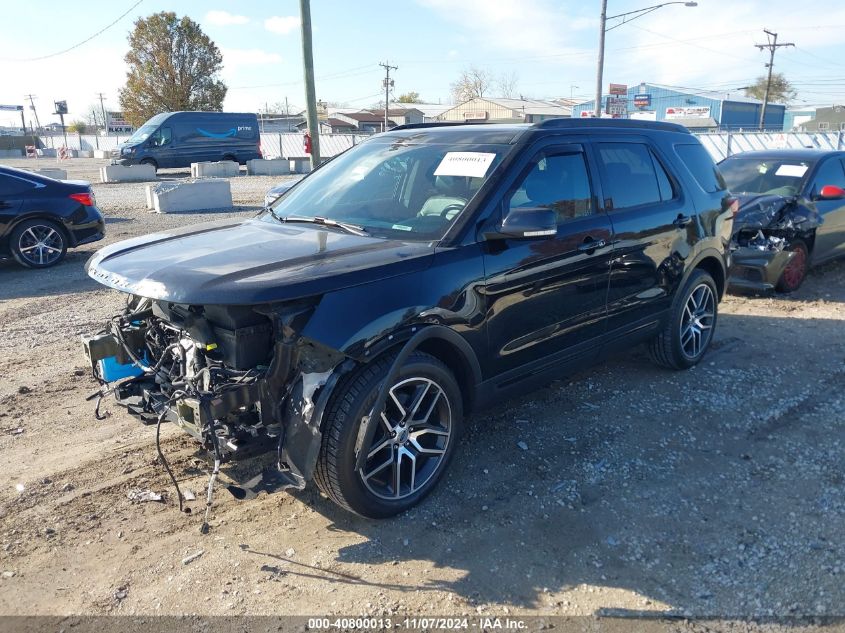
point(482, 132)
point(808, 154)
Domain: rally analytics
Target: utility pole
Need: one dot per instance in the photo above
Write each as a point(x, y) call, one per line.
point(34, 112)
point(310, 93)
point(772, 46)
point(96, 136)
point(600, 66)
point(388, 84)
point(105, 118)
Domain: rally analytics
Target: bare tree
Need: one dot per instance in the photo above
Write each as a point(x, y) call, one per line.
point(506, 84)
point(473, 82)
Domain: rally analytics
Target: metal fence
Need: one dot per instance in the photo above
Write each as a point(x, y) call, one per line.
point(724, 144)
point(290, 144)
point(285, 145)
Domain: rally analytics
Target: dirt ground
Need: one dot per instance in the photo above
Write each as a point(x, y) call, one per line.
point(712, 492)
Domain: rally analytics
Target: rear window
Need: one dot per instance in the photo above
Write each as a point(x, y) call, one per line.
point(702, 167)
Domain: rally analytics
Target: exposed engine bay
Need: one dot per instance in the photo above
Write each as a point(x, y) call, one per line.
point(764, 229)
point(231, 376)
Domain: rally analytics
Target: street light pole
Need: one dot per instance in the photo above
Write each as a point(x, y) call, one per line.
point(626, 17)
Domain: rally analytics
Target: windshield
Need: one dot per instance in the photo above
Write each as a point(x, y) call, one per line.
point(141, 134)
point(394, 189)
point(776, 176)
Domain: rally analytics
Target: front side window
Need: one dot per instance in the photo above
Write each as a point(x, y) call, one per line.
point(774, 176)
point(633, 176)
point(161, 137)
point(830, 173)
point(555, 181)
point(395, 189)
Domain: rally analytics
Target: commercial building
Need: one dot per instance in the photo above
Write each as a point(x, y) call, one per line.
point(503, 110)
point(699, 110)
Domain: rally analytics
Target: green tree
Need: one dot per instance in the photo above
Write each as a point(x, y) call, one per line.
point(173, 66)
point(781, 91)
point(410, 97)
point(78, 127)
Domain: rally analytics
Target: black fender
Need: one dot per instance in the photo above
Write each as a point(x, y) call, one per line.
point(299, 448)
point(720, 274)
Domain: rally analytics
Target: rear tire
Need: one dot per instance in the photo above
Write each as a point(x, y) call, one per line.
point(423, 442)
point(38, 243)
point(689, 327)
point(796, 270)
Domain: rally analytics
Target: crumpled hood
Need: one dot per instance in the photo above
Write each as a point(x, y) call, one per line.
point(243, 262)
point(766, 211)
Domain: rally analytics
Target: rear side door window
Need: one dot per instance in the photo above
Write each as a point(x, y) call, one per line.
point(633, 176)
point(14, 188)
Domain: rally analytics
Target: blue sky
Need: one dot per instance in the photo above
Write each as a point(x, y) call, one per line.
point(549, 45)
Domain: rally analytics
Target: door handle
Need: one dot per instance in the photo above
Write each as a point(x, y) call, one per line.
point(589, 244)
point(682, 220)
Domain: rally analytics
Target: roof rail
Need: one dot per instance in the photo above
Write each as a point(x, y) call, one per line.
point(416, 126)
point(564, 123)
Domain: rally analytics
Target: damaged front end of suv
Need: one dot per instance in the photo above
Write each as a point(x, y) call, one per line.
point(232, 377)
point(766, 232)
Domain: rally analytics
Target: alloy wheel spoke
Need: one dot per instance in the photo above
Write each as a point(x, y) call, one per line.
point(379, 468)
point(426, 451)
point(397, 474)
point(382, 445)
point(418, 401)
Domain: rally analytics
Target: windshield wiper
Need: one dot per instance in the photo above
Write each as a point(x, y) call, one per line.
point(344, 226)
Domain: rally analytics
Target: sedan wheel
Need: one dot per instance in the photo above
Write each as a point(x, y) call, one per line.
point(38, 244)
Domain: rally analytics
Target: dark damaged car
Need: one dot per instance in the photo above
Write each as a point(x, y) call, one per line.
point(423, 274)
point(791, 215)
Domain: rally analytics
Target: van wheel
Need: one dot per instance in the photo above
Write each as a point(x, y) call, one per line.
point(150, 161)
point(231, 158)
point(689, 327)
point(412, 447)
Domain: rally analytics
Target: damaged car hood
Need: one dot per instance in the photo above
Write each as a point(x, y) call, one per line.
point(767, 211)
point(254, 261)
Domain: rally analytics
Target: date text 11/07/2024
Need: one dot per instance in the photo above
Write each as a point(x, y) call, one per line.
point(422, 623)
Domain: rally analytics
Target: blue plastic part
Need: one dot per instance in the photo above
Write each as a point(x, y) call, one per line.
point(111, 370)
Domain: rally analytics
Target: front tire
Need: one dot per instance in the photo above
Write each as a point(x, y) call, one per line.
point(796, 270)
point(689, 328)
point(413, 444)
point(38, 243)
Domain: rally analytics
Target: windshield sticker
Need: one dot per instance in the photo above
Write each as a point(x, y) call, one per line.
point(796, 171)
point(472, 164)
point(401, 227)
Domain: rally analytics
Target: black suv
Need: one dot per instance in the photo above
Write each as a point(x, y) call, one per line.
point(421, 275)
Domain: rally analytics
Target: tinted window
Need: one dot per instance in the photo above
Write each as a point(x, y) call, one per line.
point(631, 174)
point(556, 181)
point(701, 166)
point(10, 186)
point(830, 173)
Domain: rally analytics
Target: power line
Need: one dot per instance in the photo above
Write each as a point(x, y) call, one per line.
point(77, 45)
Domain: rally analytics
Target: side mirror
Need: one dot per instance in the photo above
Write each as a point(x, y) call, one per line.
point(527, 223)
point(831, 192)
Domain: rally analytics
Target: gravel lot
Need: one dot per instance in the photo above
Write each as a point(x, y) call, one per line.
point(714, 492)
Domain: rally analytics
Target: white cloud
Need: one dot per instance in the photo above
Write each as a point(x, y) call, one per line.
point(533, 27)
point(282, 24)
point(235, 57)
point(224, 18)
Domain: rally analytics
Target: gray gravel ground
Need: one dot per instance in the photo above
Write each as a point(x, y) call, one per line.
point(624, 490)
